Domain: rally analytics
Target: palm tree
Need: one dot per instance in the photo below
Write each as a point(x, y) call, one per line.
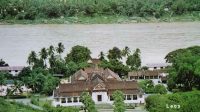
point(32, 58)
point(52, 60)
point(43, 55)
point(101, 55)
point(35, 81)
point(51, 50)
point(17, 88)
point(60, 48)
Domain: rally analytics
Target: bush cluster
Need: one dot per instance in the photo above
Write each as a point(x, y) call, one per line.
point(177, 102)
point(31, 9)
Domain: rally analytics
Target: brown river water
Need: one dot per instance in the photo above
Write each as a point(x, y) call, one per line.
point(154, 39)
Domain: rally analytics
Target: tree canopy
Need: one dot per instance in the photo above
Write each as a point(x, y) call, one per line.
point(89, 104)
point(184, 74)
point(78, 54)
point(119, 105)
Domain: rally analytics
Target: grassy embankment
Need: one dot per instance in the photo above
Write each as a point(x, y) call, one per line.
point(6, 106)
point(97, 11)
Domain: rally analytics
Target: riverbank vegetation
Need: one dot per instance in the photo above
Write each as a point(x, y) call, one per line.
point(94, 11)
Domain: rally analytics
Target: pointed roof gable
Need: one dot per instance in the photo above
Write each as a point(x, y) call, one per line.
point(80, 75)
point(111, 75)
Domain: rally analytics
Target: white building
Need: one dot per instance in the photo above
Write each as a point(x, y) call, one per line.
point(10, 85)
point(14, 70)
point(157, 66)
point(100, 83)
point(157, 76)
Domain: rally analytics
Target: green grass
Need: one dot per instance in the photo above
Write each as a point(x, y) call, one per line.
point(6, 106)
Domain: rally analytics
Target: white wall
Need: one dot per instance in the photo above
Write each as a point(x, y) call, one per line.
point(56, 103)
point(104, 97)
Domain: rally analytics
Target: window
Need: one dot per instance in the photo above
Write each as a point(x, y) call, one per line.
point(154, 67)
point(128, 97)
point(124, 97)
point(140, 96)
point(9, 70)
point(146, 77)
point(132, 77)
point(151, 77)
point(69, 100)
point(111, 98)
point(75, 99)
point(161, 67)
point(99, 98)
point(63, 100)
point(155, 77)
point(57, 99)
point(134, 97)
point(16, 70)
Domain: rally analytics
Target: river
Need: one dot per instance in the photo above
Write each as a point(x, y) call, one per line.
point(154, 39)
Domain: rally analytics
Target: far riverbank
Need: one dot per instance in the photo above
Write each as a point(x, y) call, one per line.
point(104, 20)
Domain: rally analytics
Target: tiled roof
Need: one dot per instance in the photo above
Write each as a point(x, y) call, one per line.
point(93, 77)
point(147, 73)
point(75, 89)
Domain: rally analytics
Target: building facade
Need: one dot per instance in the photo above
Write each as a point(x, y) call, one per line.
point(157, 76)
point(100, 83)
point(157, 66)
point(14, 70)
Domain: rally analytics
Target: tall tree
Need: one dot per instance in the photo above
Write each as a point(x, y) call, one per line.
point(32, 58)
point(185, 72)
point(119, 105)
point(134, 61)
point(60, 49)
point(52, 61)
point(126, 51)
point(51, 50)
point(89, 104)
point(171, 56)
point(44, 55)
point(101, 55)
point(114, 53)
point(78, 54)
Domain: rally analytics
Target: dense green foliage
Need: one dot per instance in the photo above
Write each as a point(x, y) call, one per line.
point(119, 105)
point(185, 70)
point(89, 104)
point(161, 89)
point(6, 106)
point(114, 60)
point(134, 60)
point(78, 54)
point(32, 9)
point(178, 102)
point(149, 87)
